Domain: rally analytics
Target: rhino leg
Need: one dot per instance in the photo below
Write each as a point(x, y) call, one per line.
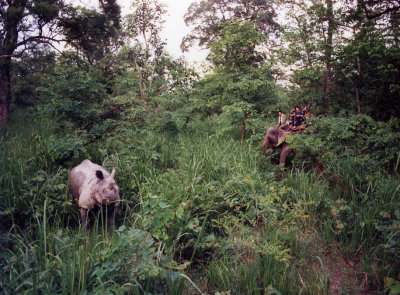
point(284, 153)
point(110, 220)
point(84, 218)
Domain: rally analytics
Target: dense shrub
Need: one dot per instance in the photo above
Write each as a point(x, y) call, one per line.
point(330, 140)
point(71, 94)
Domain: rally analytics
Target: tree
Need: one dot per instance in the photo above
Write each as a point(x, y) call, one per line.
point(143, 27)
point(377, 9)
point(27, 76)
point(94, 33)
point(234, 31)
point(328, 16)
point(368, 68)
point(310, 37)
point(345, 52)
point(242, 82)
point(23, 25)
point(235, 49)
point(208, 18)
point(72, 95)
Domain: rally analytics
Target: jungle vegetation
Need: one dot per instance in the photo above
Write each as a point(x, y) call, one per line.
point(204, 210)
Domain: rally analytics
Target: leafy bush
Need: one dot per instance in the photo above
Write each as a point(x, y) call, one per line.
point(61, 150)
point(332, 139)
point(71, 93)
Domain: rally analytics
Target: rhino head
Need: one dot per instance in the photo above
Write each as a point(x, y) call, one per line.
point(107, 190)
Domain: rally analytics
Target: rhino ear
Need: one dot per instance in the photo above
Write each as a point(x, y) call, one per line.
point(99, 175)
point(112, 173)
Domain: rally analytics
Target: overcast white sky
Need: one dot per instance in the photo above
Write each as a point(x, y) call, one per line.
point(174, 28)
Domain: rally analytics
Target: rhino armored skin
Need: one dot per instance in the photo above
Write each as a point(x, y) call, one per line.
point(93, 187)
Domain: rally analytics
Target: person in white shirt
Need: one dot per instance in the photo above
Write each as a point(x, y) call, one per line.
point(282, 120)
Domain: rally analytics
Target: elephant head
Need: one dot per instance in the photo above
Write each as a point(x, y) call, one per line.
point(276, 137)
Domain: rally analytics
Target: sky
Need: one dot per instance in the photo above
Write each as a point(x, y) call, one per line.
point(174, 28)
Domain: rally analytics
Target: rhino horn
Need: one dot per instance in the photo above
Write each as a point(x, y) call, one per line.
point(112, 173)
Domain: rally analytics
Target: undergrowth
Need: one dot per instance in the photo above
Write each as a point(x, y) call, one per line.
point(199, 214)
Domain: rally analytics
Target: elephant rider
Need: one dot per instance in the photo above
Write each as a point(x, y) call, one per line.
point(307, 116)
point(291, 117)
point(282, 120)
point(298, 117)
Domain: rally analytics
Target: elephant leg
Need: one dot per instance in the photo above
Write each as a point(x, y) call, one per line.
point(265, 143)
point(268, 151)
point(284, 154)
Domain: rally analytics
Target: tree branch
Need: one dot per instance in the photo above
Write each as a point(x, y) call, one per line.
point(388, 10)
point(39, 38)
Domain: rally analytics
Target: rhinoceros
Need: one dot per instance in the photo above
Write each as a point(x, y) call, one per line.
point(93, 187)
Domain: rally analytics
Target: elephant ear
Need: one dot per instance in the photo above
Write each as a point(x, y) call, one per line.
point(282, 137)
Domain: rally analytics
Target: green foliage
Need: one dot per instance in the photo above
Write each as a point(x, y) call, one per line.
point(94, 33)
point(22, 27)
point(209, 17)
point(194, 203)
point(199, 211)
point(26, 181)
point(372, 65)
point(27, 75)
point(63, 149)
point(356, 154)
point(147, 56)
point(250, 278)
point(343, 59)
point(133, 256)
point(68, 262)
point(333, 139)
point(392, 285)
point(72, 94)
point(236, 47)
point(246, 97)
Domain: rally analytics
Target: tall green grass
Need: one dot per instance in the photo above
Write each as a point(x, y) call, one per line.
point(199, 211)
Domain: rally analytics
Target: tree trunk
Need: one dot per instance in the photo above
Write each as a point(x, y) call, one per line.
point(328, 52)
point(327, 88)
point(5, 88)
point(142, 90)
point(357, 86)
point(8, 44)
point(244, 128)
point(358, 101)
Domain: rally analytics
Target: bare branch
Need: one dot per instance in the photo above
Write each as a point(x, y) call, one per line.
point(376, 15)
point(39, 38)
point(386, 11)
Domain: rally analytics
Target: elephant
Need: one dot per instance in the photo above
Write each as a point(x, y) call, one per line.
point(276, 137)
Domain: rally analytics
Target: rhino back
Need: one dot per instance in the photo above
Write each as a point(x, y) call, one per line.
point(83, 175)
point(77, 179)
point(90, 168)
